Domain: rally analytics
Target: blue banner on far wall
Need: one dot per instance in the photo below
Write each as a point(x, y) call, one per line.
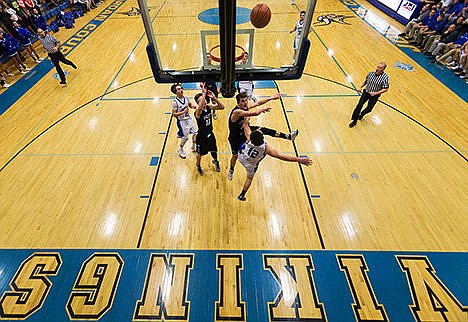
point(400, 10)
point(254, 286)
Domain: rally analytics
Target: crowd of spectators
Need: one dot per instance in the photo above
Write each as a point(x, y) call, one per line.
point(441, 32)
point(19, 22)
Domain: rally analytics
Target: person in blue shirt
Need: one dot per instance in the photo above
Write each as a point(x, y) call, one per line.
point(421, 25)
point(452, 13)
point(435, 27)
point(39, 20)
point(10, 46)
point(24, 38)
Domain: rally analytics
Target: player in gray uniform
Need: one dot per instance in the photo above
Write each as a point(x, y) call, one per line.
point(185, 125)
point(254, 150)
point(236, 121)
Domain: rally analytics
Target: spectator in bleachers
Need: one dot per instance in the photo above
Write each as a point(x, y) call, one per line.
point(413, 33)
point(429, 41)
point(451, 57)
point(464, 12)
point(462, 24)
point(439, 47)
point(24, 38)
point(5, 18)
point(459, 47)
point(10, 46)
point(20, 15)
point(453, 10)
point(12, 12)
point(85, 5)
point(446, 3)
point(39, 20)
point(31, 5)
point(25, 15)
point(463, 62)
point(434, 28)
point(460, 67)
point(49, 3)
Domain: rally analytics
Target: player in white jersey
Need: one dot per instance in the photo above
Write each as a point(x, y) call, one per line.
point(185, 125)
point(254, 150)
point(298, 29)
point(248, 85)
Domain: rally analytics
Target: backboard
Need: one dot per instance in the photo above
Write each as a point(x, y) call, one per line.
point(216, 41)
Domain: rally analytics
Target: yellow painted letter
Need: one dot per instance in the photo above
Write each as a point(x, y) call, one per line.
point(230, 305)
point(165, 292)
point(365, 306)
point(297, 298)
point(30, 286)
point(95, 287)
point(432, 300)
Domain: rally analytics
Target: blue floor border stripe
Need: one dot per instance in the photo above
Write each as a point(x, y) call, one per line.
point(444, 75)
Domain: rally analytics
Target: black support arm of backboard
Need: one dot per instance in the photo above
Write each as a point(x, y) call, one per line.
point(227, 40)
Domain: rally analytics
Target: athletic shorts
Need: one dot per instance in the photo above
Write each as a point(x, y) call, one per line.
point(206, 144)
point(185, 127)
point(251, 168)
point(296, 42)
point(235, 144)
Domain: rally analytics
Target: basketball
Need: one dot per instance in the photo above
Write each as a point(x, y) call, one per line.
point(260, 15)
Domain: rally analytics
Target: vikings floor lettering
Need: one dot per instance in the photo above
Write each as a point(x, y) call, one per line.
point(142, 285)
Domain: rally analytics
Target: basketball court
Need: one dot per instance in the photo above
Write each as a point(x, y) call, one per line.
point(100, 219)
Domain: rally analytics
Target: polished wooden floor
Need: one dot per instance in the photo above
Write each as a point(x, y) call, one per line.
point(75, 160)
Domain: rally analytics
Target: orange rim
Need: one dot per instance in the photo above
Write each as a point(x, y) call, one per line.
point(218, 59)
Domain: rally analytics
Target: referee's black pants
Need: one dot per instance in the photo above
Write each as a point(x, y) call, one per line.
point(58, 57)
point(357, 114)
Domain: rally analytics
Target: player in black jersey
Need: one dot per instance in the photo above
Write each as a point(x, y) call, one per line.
point(211, 86)
point(238, 117)
point(206, 141)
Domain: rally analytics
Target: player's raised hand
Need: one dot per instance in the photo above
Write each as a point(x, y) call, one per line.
point(305, 161)
point(275, 96)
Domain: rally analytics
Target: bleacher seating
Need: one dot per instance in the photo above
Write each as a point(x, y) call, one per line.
point(48, 14)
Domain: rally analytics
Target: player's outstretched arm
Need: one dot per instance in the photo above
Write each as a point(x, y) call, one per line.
point(247, 129)
point(286, 157)
point(265, 100)
point(255, 112)
point(201, 102)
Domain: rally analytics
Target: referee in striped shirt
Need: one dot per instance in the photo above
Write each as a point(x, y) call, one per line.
point(52, 46)
point(376, 84)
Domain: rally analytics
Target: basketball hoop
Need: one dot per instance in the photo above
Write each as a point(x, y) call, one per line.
point(218, 59)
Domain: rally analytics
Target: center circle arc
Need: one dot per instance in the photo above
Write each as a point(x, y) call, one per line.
point(211, 16)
